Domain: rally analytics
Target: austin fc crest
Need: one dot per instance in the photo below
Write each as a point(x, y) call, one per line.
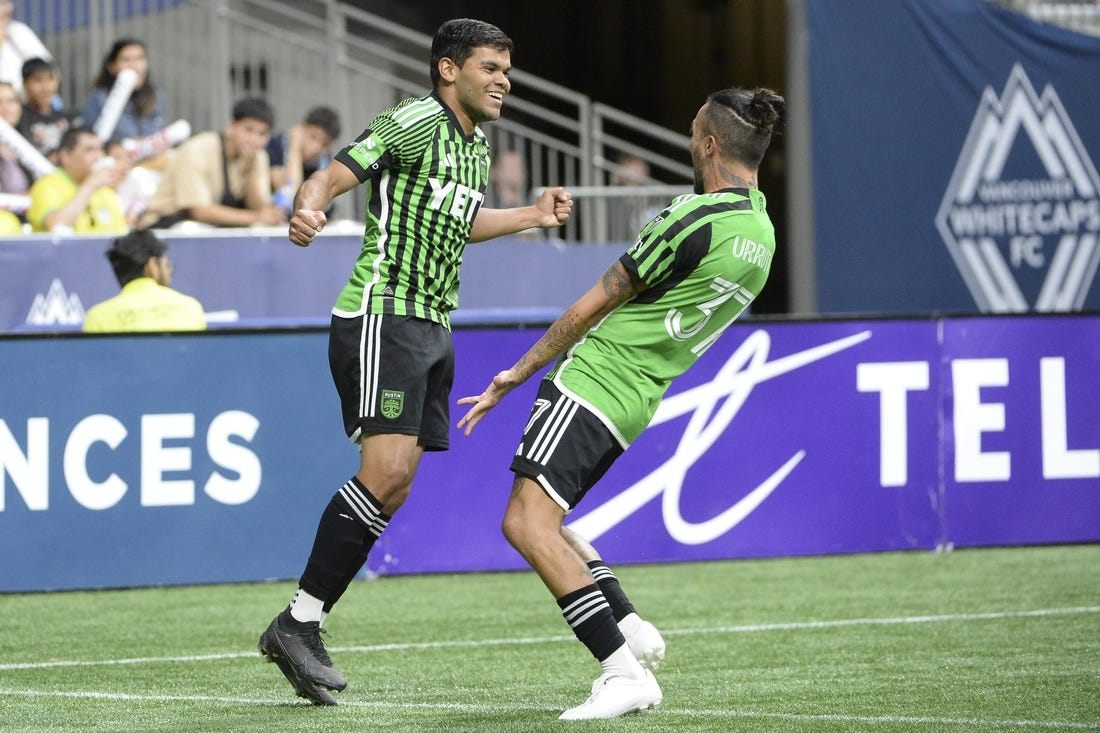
point(393, 403)
point(1021, 215)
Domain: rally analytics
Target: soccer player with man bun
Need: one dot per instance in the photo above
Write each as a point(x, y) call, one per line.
point(426, 165)
point(693, 269)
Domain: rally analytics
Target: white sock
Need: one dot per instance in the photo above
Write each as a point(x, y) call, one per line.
point(322, 619)
point(622, 663)
point(630, 624)
point(304, 607)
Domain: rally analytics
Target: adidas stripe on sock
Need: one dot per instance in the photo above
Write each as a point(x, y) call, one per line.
point(589, 615)
point(609, 584)
point(366, 509)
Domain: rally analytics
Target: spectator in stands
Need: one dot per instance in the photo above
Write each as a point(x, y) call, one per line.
point(137, 184)
point(14, 177)
point(300, 152)
point(144, 112)
point(42, 123)
point(17, 44)
point(81, 195)
point(508, 188)
point(146, 303)
point(221, 180)
point(507, 181)
point(628, 214)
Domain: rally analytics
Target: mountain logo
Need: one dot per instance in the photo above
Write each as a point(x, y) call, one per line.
point(56, 307)
point(1021, 215)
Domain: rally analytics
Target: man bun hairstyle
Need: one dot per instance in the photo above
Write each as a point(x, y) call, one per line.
point(456, 40)
point(742, 119)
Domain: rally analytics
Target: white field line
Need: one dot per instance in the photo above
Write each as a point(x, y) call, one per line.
point(747, 629)
point(979, 723)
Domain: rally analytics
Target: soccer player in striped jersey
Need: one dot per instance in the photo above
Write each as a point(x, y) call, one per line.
point(426, 165)
point(693, 269)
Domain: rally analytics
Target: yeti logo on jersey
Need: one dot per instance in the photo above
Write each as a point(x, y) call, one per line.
point(392, 403)
point(455, 199)
point(1021, 214)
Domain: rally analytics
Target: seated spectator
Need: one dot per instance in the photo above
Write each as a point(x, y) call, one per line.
point(508, 188)
point(300, 152)
point(222, 180)
point(628, 214)
point(146, 303)
point(81, 195)
point(17, 44)
point(42, 124)
point(14, 177)
point(507, 182)
point(144, 112)
point(133, 190)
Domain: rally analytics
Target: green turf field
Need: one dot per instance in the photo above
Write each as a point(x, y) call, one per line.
point(975, 640)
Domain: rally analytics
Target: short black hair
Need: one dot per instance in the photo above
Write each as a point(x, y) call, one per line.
point(72, 136)
point(254, 108)
point(325, 118)
point(456, 40)
point(131, 252)
point(36, 66)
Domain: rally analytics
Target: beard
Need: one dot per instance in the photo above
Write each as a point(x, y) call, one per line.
point(698, 182)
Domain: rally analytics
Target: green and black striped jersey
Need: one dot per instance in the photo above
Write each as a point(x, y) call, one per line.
point(426, 181)
point(704, 258)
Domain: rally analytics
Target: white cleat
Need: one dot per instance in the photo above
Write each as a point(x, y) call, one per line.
point(615, 695)
point(644, 641)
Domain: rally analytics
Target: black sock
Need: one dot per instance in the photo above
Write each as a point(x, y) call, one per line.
point(588, 613)
point(609, 584)
point(349, 526)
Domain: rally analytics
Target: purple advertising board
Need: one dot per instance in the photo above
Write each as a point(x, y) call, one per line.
point(148, 460)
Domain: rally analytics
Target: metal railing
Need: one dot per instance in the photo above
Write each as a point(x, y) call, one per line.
point(297, 54)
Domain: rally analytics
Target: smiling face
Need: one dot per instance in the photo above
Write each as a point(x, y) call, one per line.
point(476, 90)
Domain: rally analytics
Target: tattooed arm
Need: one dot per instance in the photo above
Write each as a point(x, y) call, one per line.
point(614, 288)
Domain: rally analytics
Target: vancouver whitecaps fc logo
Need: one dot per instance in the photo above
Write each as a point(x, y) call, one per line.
point(1021, 215)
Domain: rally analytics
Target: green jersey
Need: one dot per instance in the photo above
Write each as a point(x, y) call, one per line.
point(426, 181)
point(704, 259)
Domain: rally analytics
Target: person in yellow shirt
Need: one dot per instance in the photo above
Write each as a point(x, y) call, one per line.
point(146, 303)
point(80, 195)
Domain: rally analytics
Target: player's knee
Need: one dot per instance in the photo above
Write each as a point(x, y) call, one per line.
point(514, 527)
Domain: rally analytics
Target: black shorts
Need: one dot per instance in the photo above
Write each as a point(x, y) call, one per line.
point(394, 375)
point(565, 448)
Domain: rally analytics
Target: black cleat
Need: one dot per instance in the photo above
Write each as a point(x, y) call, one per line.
point(303, 688)
point(296, 647)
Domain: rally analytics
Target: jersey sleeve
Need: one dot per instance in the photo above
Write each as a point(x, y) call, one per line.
point(653, 255)
point(395, 139)
point(366, 156)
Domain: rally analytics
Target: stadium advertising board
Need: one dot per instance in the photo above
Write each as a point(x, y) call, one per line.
point(253, 279)
point(208, 458)
point(972, 183)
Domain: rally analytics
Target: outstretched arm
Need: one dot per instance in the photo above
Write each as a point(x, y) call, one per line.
point(614, 288)
point(551, 210)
